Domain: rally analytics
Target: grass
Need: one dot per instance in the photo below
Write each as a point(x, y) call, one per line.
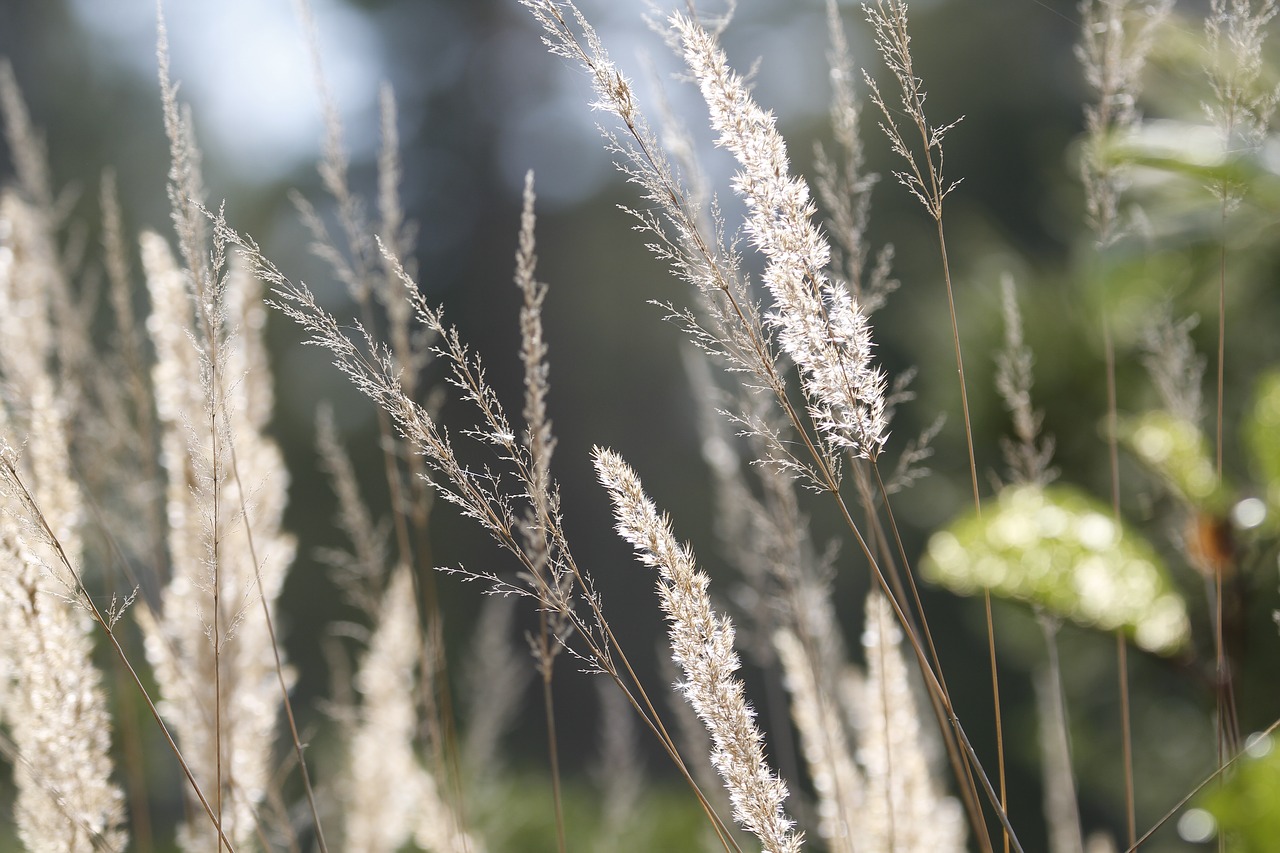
point(1120, 569)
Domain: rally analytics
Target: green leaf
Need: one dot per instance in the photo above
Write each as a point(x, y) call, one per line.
point(1059, 549)
point(1179, 452)
point(1262, 435)
point(1247, 804)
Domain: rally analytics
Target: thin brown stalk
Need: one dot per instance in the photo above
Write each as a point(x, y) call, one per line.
point(998, 717)
point(1222, 332)
point(1226, 725)
point(217, 583)
point(1190, 795)
point(960, 767)
point(308, 788)
point(1224, 679)
point(1113, 436)
point(1010, 837)
point(1224, 687)
point(373, 373)
point(1122, 648)
point(553, 748)
point(964, 394)
point(879, 539)
point(1126, 733)
point(924, 179)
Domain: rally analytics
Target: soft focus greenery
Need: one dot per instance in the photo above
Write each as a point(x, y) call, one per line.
point(1262, 434)
point(1180, 453)
point(1058, 549)
point(1247, 804)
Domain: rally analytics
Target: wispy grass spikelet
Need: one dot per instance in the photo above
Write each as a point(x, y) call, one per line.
point(842, 183)
point(1116, 36)
point(1029, 455)
point(923, 175)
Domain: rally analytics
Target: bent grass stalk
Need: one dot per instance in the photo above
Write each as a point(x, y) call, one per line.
point(1191, 795)
point(926, 182)
point(189, 218)
point(696, 260)
point(372, 370)
point(354, 265)
point(1112, 53)
point(1235, 33)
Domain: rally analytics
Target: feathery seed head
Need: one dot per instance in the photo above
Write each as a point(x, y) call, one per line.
point(817, 321)
point(702, 644)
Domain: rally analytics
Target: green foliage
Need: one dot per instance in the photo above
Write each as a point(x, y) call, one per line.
point(516, 814)
point(1179, 452)
point(1057, 548)
point(1247, 804)
point(1262, 435)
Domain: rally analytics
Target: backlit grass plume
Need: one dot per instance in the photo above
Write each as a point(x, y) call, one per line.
point(52, 701)
point(210, 645)
point(818, 323)
point(702, 644)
